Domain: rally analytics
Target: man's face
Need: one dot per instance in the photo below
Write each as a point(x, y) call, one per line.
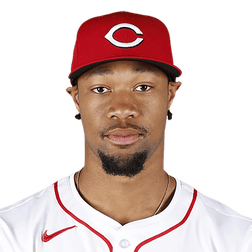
point(123, 107)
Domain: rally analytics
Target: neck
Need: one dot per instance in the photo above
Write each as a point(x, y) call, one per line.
point(127, 199)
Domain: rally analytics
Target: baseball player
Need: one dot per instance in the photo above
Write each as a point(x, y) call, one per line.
point(123, 84)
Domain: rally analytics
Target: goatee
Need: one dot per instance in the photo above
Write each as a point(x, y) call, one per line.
point(128, 166)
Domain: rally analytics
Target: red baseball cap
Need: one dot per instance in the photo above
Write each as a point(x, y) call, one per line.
point(122, 36)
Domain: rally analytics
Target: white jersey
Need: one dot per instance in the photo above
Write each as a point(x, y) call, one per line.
point(57, 219)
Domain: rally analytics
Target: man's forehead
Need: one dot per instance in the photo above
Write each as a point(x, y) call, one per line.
point(134, 66)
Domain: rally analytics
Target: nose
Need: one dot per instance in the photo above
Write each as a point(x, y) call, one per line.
point(122, 107)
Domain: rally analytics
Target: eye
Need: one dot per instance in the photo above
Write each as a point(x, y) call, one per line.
point(99, 90)
point(145, 86)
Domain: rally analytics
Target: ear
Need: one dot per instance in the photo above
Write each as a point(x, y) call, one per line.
point(73, 91)
point(173, 87)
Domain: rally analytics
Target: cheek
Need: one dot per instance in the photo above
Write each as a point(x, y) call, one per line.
point(91, 103)
point(91, 122)
point(155, 114)
point(156, 109)
point(90, 116)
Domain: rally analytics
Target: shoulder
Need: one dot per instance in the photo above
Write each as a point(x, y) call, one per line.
point(212, 206)
point(36, 204)
point(222, 213)
point(18, 221)
point(27, 205)
point(25, 212)
point(219, 221)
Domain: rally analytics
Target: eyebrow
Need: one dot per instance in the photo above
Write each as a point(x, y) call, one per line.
point(144, 70)
point(100, 72)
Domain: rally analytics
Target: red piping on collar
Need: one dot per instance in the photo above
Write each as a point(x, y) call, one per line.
point(172, 228)
point(142, 243)
point(79, 220)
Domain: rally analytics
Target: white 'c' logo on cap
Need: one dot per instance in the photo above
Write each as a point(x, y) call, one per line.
point(136, 42)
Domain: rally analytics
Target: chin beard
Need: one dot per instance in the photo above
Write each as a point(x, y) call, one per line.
point(128, 166)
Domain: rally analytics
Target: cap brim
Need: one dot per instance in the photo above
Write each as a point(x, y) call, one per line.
point(170, 70)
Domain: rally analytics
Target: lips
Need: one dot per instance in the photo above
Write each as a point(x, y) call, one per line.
point(124, 136)
point(123, 139)
point(123, 132)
